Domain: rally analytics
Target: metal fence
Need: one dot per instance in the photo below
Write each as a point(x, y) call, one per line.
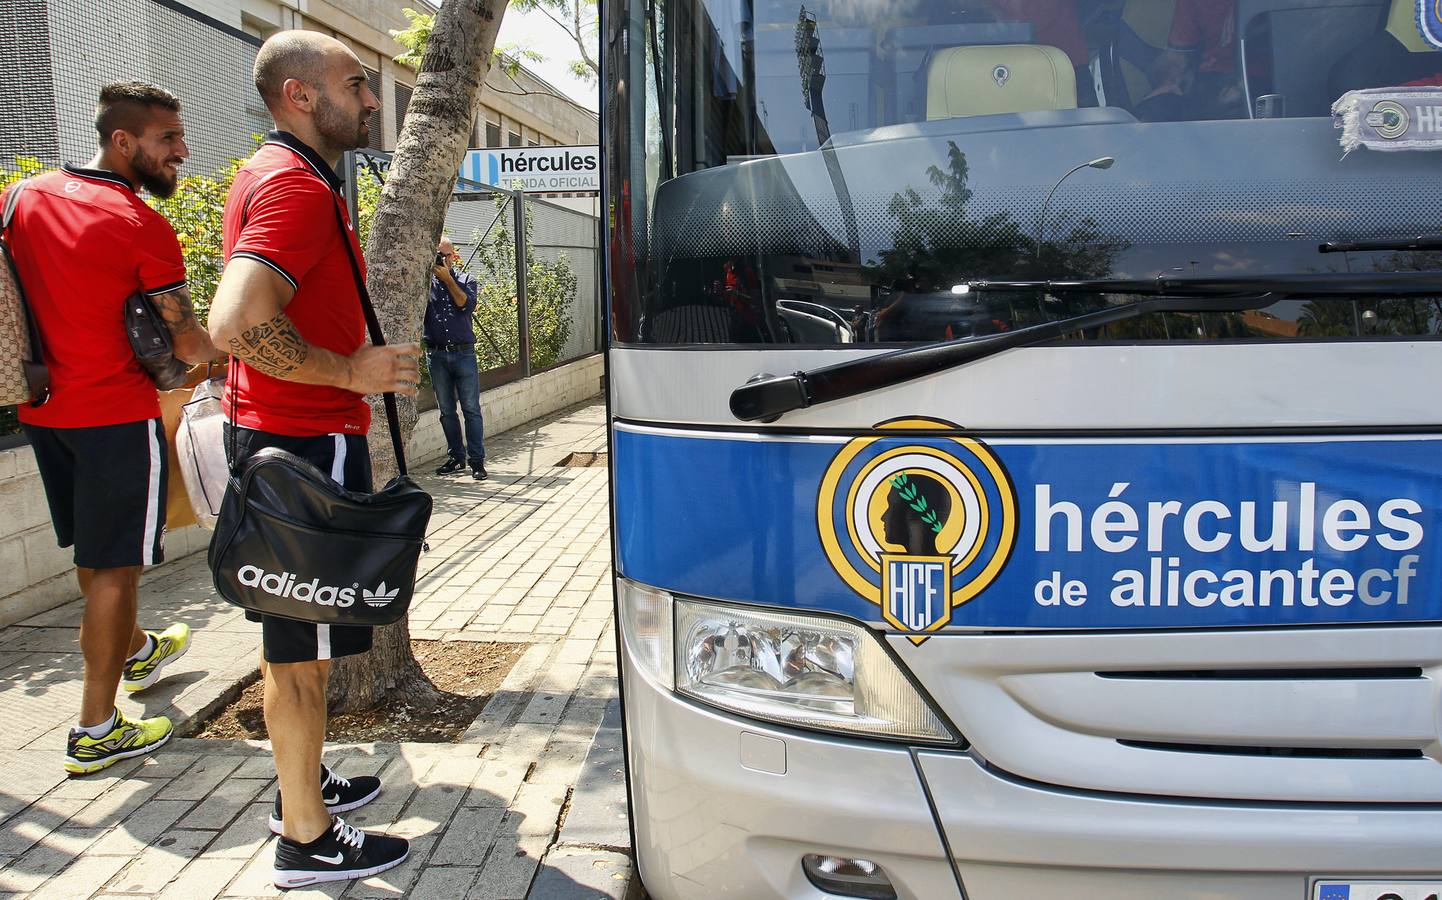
point(538, 268)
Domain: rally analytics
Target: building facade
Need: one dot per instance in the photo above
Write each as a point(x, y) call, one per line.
point(54, 55)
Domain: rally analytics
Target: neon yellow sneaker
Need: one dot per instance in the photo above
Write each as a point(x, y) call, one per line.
point(170, 645)
point(85, 754)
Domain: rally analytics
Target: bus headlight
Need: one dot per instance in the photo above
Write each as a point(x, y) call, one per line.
point(799, 670)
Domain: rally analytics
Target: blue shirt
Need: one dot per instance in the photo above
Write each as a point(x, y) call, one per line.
point(447, 323)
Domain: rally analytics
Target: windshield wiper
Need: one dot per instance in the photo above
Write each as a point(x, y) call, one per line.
point(766, 398)
point(1419, 242)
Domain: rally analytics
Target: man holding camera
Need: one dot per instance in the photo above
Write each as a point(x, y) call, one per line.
point(451, 357)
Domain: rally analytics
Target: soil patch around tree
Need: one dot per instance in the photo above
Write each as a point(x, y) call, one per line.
point(465, 673)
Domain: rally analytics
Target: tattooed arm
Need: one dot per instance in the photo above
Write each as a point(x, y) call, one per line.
point(247, 318)
point(191, 343)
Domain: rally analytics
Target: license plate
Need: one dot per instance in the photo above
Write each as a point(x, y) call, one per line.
point(1377, 890)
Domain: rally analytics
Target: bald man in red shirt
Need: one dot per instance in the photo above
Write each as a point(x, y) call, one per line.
point(289, 312)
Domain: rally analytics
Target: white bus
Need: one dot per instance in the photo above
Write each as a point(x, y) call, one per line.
point(1026, 438)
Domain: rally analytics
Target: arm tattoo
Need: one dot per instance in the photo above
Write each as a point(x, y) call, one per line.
point(175, 308)
point(274, 347)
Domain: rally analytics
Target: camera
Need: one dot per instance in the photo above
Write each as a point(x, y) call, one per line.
point(440, 258)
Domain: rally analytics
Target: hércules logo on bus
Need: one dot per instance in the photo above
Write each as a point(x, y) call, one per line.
point(918, 527)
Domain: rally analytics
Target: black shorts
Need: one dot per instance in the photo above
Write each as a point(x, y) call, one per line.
point(347, 459)
point(106, 490)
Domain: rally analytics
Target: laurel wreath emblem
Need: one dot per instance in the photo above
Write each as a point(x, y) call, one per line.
point(912, 495)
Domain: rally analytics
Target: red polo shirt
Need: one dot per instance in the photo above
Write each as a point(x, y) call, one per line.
point(282, 212)
point(83, 243)
point(1209, 26)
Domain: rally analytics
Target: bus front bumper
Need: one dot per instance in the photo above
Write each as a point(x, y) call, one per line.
point(710, 828)
point(720, 816)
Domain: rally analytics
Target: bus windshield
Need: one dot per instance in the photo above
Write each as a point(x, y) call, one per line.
point(823, 172)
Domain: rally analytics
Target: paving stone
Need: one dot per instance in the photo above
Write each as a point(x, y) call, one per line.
point(509, 869)
point(200, 779)
point(224, 803)
point(597, 816)
point(575, 651)
point(456, 773)
point(203, 879)
point(560, 762)
point(576, 874)
point(356, 764)
point(245, 836)
point(258, 767)
point(497, 782)
point(53, 853)
point(167, 764)
point(545, 707)
point(256, 879)
point(144, 825)
point(159, 863)
point(429, 810)
point(468, 837)
point(81, 878)
point(92, 786)
point(116, 804)
point(522, 744)
point(32, 824)
point(447, 883)
point(535, 809)
point(587, 628)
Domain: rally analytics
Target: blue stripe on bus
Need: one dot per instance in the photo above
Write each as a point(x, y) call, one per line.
point(737, 520)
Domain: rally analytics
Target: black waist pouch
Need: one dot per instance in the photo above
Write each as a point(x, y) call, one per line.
point(293, 543)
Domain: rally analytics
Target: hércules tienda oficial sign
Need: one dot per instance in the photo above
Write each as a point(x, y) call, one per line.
point(535, 169)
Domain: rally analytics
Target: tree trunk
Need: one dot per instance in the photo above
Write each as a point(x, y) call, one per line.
point(403, 237)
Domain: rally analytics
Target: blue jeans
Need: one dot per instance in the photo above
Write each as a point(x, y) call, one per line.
point(454, 375)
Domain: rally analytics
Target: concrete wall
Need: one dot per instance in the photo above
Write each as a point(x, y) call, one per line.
point(36, 575)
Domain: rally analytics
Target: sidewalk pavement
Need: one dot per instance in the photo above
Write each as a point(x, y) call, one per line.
point(528, 804)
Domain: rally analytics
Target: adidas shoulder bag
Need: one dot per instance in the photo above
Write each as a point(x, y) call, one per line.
point(293, 543)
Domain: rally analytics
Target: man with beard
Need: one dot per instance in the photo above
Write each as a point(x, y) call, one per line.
point(288, 310)
point(83, 243)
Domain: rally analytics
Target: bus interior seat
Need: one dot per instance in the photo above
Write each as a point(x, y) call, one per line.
point(1394, 54)
point(1300, 41)
point(1004, 78)
point(911, 48)
point(1142, 32)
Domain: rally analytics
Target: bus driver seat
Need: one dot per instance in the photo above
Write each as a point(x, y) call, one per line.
point(987, 79)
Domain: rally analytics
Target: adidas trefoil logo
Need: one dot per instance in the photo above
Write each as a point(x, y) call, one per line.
point(380, 596)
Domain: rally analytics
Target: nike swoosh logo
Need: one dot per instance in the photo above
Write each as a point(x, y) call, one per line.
point(333, 860)
point(330, 801)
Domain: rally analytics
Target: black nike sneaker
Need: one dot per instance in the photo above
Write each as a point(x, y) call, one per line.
point(339, 794)
point(450, 467)
point(340, 854)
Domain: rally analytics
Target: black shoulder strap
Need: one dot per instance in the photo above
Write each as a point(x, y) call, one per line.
point(377, 337)
point(372, 324)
